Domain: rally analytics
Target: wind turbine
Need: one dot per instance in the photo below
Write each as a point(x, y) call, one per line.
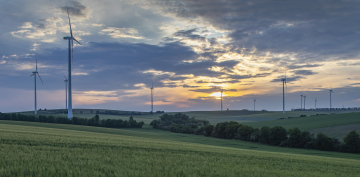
point(71, 46)
point(315, 102)
point(301, 100)
point(221, 100)
point(284, 83)
point(34, 73)
point(152, 100)
point(66, 81)
point(331, 91)
point(254, 104)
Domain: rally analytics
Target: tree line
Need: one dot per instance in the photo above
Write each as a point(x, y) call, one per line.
point(94, 121)
point(276, 136)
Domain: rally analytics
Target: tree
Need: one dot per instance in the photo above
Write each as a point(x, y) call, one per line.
point(220, 129)
point(265, 135)
point(245, 132)
point(208, 129)
point(294, 139)
point(231, 129)
point(323, 142)
point(278, 134)
point(352, 142)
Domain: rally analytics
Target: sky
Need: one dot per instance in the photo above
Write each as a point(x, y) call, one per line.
point(189, 50)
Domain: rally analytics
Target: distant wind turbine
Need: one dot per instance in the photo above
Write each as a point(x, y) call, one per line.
point(301, 100)
point(254, 104)
point(315, 102)
point(222, 100)
point(284, 83)
point(71, 46)
point(34, 73)
point(152, 98)
point(331, 91)
point(66, 81)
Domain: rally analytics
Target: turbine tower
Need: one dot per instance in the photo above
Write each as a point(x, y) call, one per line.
point(304, 101)
point(330, 98)
point(34, 73)
point(254, 104)
point(301, 100)
point(66, 81)
point(221, 100)
point(315, 103)
point(152, 99)
point(284, 83)
point(71, 46)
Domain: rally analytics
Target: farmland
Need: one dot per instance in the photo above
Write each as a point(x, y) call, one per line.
point(43, 149)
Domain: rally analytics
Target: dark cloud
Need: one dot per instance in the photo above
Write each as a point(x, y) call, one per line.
point(303, 66)
point(288, 79)
point(189, 34)
point(75, 9)
point(304, 72)
point(310, 29)
point(188, 86)
point(213, 89)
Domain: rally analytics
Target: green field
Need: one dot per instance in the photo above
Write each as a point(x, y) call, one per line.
point(42, 149)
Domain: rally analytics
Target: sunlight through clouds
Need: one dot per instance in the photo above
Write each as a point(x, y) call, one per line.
point(121, 33)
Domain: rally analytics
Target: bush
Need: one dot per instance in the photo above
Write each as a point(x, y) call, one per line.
point(278, 134)
point(265, 135)
point(245, 132)
point(219, 130)
point(208, 129)
point(323, 142)
point(255, 136)
point(95, 121)
point(231, 129)
point(307, 140)
point(294, 139)
point(352, 142)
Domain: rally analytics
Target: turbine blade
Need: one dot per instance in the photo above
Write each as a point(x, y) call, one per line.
point(40, 78)
point(67, 9)
point(31, 75)
point(77, 41)
point(36, 63)
point(72, 51)
point(65, 77)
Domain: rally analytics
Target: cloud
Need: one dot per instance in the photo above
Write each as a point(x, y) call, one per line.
point(288, 79)
point(121, 33)
point(304, 72)
point(76, 9)
point(213, 89)
point(188, 86)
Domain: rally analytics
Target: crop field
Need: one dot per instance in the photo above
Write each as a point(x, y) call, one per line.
point(42, 149)
point(312, 122)
point(213, 117)
point(338, 132)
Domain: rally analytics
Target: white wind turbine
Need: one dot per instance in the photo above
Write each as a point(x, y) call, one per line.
point(71, 45)
point(34, 73)
point(66, 81)
point(315, 102)
point(254, 104)
point(152, 98)
point(331, 91)
point(222, 99)
point(284, 83)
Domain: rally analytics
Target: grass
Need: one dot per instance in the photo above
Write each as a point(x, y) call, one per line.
point(312, 122)
point(339, 131)
point(42, 149)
